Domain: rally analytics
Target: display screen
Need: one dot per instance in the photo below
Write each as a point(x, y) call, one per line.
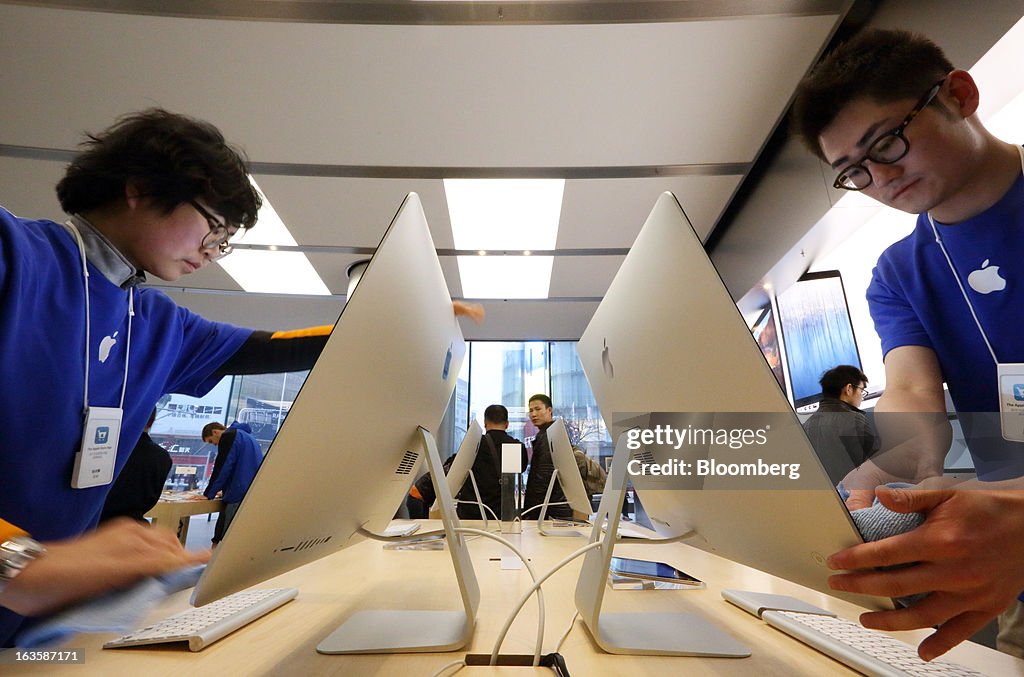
point(816, 327)
point(767, 336)
point(641, 568)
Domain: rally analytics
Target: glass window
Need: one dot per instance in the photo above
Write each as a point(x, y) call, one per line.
point(506, 373)
point(573, 401)
point(178, 429)
point(262, 401)
point(509, 372)
point(495, 372)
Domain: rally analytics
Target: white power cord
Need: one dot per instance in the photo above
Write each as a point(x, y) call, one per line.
point(536, 588)
point(565, 634)
point(533, 576)
point(460, 663)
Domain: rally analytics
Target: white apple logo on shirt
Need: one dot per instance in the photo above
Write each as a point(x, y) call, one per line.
point(105, 346)
point(986, 279)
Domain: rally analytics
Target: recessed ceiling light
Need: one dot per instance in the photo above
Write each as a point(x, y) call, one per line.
point(271, 271)
point(505, 215)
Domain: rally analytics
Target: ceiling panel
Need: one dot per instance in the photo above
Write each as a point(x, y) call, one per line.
point(583, 276)
point(341, 121)
point(593, 95)
point(352, 212)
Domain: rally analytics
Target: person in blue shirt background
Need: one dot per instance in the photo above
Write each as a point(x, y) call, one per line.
point(239, 456)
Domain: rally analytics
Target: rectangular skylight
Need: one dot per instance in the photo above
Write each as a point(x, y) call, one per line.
point(490, 215)
point(271, 271)
point(505, 277)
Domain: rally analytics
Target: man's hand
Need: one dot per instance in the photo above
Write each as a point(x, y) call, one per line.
point(967, 555)
point(113, 556)
point(474, 311)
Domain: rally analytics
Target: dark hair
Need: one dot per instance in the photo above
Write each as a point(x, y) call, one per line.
point(209, 428)
point(835, 379)
point(496, 413)
point(880, 65)
point(172, 158)
point(542, 398)
point(152, 419)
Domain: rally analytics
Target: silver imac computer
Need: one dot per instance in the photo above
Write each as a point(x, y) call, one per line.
point(461, 470)
point(567, 474)
point(668, 350)
point(345, 456)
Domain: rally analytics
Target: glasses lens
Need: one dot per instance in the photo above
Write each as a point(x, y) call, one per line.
point(888, 148)
point(854, 178)
point(216, 238)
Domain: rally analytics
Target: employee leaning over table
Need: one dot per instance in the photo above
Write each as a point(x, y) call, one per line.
point(157, 193)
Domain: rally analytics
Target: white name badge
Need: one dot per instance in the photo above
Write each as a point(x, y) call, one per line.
point(1011, 400)
point(94, 462)
point(511, 458)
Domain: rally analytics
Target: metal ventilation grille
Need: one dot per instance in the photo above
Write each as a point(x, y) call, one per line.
point(644, 456)
point(305, 545)
point(408, 463)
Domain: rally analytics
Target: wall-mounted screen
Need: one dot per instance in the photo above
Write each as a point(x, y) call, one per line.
point(816, 327)
point(766, 333)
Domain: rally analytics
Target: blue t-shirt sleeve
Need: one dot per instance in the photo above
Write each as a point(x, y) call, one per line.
point(896, 322)
point(206, 346)
point(202, 345)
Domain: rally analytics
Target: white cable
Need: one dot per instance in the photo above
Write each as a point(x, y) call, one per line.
point(963, 291)
point(85, 279)
point(533, 576)
point(128, 342)
point(542, 505)
point(535, 587)
point(479, 503)
point(510, 546)
point(410, 538)
point(567, 631)
point(88, 322)
point(460, 663)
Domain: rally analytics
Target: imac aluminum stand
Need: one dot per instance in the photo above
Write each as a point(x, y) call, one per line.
point(479, 501)
point(407, 631)
point(665, 634)
point(544, 509)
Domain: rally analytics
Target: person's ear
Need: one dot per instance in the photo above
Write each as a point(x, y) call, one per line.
point(964, 92)
point(132, 193)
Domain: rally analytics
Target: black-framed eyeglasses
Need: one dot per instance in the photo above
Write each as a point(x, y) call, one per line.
point(886, 149)
point(217, 238)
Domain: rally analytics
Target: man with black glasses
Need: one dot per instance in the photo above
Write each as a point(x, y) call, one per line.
point(895, 120)
point(89, 353)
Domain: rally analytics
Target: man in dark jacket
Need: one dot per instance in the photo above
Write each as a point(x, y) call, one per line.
point(542, 466)
point(839, 431)
point(487, 466)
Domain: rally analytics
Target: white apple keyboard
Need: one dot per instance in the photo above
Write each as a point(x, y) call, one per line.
point(867, 651)
point(204, 625)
